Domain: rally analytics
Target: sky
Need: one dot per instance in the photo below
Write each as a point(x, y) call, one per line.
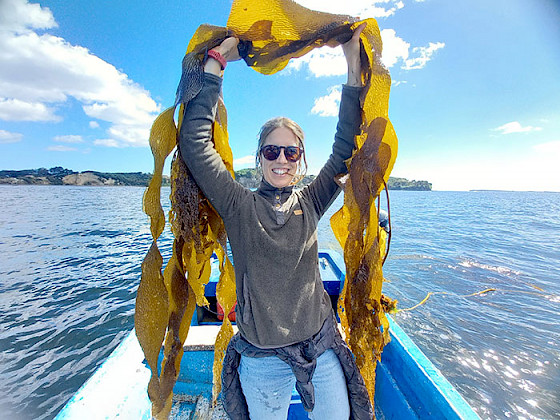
point(474, 97)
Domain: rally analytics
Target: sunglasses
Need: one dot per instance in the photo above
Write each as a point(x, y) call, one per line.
point(292, 153)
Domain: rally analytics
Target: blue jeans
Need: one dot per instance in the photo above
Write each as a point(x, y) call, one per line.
point(267, 384)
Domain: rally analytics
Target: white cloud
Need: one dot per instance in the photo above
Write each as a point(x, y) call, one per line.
point(394, 48)
point(9, 137)
point(93, 124)
point(61, 148)
point(423, 55)
point(328, 61)
point(327, 106)
point(550, 148)
point(244, 161)
point(39, 72)
point(69, 139)
point(107, 143)
point(362, 8)
point(515, 127)
point(324, 61)
point(18, 16)
point(17, 110)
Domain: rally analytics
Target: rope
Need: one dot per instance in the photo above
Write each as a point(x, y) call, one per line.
point(390, 233)
point(479, 293)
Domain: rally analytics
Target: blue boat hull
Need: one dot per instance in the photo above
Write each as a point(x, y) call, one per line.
point(408, 386)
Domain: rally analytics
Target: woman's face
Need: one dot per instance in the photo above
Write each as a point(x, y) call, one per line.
point(280, 172)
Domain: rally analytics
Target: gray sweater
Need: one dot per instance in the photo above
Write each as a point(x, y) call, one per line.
point(272, 232)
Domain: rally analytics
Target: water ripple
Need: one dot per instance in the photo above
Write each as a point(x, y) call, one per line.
point(69, 274)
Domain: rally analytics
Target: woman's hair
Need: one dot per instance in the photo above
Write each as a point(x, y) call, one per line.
point(271, 125)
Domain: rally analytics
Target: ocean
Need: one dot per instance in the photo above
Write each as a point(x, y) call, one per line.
point(70, 266)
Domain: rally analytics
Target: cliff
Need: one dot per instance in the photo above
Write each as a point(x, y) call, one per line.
point(249, 178)
point(62, 176)
point(405, 184)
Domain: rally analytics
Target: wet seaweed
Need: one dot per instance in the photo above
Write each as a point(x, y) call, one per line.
point(272, 32)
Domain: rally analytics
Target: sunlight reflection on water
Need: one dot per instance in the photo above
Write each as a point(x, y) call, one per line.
point(70, 266)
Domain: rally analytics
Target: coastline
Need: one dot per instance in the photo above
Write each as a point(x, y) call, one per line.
point(250, 178)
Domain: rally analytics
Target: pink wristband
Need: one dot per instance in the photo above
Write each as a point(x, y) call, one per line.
point(218, 57)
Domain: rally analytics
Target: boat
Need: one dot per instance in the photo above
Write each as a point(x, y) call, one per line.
point(408, 385)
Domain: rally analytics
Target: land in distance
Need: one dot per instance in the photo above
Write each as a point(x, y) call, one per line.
point(250, 178)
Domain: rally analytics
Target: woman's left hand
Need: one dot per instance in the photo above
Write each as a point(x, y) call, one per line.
point(351, 51)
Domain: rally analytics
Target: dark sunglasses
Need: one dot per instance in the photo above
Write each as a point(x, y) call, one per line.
point(292, 153)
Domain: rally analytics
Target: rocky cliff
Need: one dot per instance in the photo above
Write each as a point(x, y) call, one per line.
point(250, 178)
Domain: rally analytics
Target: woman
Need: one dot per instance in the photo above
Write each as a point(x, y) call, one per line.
point(287, 333)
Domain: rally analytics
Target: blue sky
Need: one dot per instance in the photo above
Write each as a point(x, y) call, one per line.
point(474, 99)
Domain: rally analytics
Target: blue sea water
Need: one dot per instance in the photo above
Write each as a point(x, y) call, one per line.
point(70, 266)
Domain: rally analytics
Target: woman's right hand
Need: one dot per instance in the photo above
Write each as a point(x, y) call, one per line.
point(228, 50)
point(352, 53)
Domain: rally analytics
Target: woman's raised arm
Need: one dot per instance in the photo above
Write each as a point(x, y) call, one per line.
point(195, 138)
point(222, 54)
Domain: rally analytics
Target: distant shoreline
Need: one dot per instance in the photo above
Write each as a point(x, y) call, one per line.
point(514, 191)
point(249, 178)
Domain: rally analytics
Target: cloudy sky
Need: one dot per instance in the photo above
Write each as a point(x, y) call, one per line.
point(474, 99)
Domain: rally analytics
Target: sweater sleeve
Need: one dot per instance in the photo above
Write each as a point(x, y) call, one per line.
point(324, 189)
point(198, 152)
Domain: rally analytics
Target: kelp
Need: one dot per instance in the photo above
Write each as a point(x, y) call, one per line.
point(356, 226)
point(271, 32)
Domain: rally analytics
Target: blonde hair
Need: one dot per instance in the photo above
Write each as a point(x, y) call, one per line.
point(271, 125)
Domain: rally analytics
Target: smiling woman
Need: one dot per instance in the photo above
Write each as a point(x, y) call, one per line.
point(271, 231)
point(281, 306)
point(280, 152)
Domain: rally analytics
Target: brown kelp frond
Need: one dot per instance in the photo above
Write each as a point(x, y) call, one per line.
point(150, 319)
point(225, 293)
point(162, 142)
point(356, 224)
